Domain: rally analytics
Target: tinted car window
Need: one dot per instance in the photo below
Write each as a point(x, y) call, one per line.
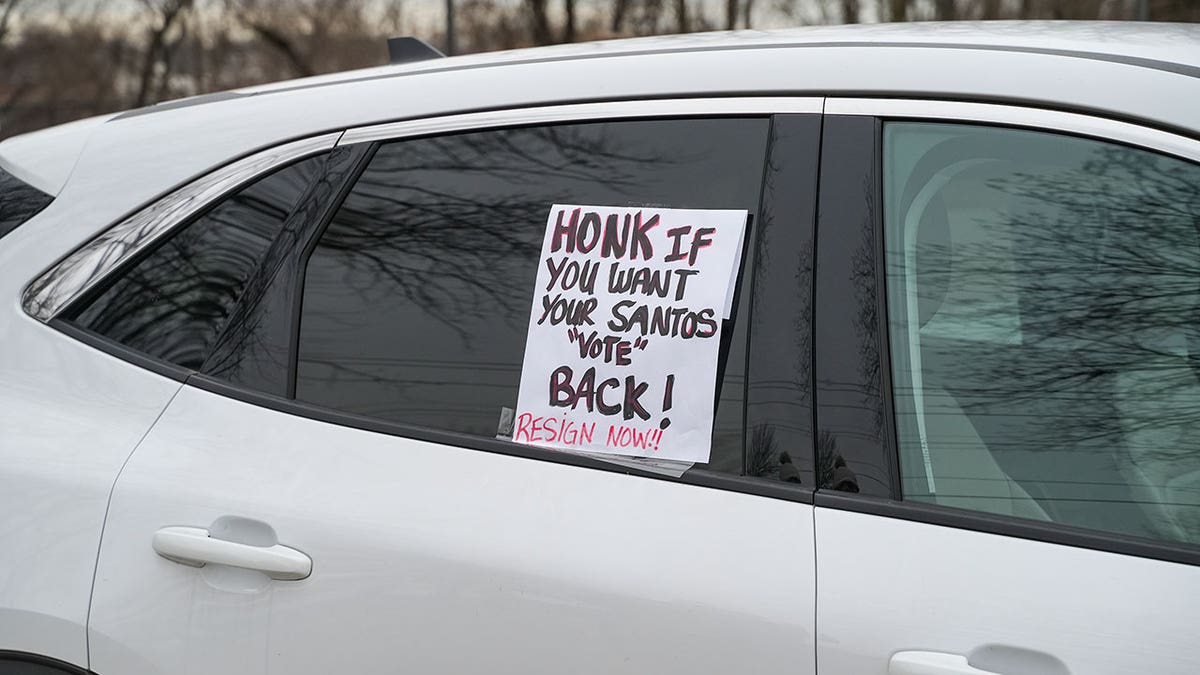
point(417, 297)
point(19, 201)
point(173, 302)
point(1044, 302)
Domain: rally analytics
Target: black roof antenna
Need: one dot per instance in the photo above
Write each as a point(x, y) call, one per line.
point(410, 50)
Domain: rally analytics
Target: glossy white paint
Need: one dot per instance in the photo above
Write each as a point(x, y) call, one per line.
point(45, 158)
point(69, 417)
point(1011, 605)
point(434, 559)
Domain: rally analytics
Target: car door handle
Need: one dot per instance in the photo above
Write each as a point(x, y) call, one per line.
point(932, 663)
point(192, 546)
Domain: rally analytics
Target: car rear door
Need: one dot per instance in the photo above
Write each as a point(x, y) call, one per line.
point(338, 447)
point(1007, 393)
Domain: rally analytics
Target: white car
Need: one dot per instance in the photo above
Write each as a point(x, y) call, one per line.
point(260, 354)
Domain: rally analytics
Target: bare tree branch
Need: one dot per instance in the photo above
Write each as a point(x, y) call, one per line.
point(280, 42)
point(166, 14)
point(569, 26)
point(7, 9)
point(849, 11)
point(539, 22)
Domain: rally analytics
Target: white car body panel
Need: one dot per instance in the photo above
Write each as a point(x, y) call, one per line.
point(45, 158)
point(70, 415)
point(428, 558)
point(889, 585)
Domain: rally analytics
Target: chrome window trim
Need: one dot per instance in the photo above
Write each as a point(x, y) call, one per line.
point(80, 271)
point(576, 112)
point(1039, 119)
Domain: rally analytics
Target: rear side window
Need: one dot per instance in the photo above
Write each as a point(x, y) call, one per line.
point(174, 301)
point(1044, 310)
point(417, 297)
point(19, 201)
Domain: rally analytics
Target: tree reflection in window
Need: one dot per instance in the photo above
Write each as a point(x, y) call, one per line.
point(417, 298)
point(172, 303)
point(1044, 295)
point(19, 202)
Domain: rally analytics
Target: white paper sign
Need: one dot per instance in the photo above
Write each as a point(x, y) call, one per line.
point(625, 330)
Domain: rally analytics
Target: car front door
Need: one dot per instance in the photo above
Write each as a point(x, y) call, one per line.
point(341, 450)
point(1007, 397)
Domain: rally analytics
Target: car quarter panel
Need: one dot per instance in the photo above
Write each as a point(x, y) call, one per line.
point(69, 417)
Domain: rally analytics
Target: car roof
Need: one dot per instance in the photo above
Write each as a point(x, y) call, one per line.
point(1174, 46)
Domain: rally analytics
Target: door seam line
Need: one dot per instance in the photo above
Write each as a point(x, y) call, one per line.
point(816, 595)
point(87, 624)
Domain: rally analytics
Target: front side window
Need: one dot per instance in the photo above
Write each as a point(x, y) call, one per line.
point(1044, 312)
point(174, 301)
point(416, 299)
point(19, 201)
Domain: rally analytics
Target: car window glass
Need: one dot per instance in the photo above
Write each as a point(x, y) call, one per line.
point(173, 302)
point(19, 202)
point(417, 297)
point(1044, 308)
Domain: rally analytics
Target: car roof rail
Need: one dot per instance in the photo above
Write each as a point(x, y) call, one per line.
point(409, 49)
